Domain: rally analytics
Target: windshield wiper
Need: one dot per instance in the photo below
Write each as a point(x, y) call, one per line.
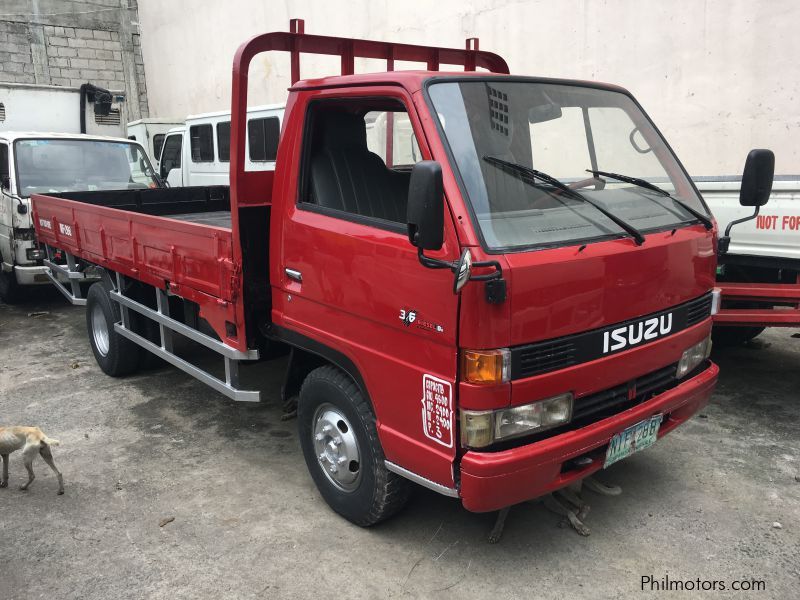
point(704, 219)
point(530, 176)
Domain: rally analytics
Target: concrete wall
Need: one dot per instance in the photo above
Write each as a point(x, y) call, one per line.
point(718, 76)
point(68, 43)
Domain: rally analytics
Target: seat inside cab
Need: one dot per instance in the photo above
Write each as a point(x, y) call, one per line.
point(360, 157)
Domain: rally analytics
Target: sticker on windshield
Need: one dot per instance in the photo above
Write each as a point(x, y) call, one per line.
point(437, 410)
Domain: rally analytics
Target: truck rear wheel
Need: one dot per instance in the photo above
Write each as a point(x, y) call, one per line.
point(10, 292)
point(342, 451)
point(116, 355)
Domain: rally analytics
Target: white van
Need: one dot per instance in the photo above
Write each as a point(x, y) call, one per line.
point(199, 152)
point(150, 133)
point(39, 163)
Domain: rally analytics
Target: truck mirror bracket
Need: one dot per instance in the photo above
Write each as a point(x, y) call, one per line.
point(496, 291)
point(725, 240)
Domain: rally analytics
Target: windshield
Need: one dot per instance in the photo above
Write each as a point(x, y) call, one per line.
point(64, 165)
point(497, 130)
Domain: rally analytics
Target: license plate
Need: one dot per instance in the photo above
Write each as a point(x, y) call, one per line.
point(636, 437)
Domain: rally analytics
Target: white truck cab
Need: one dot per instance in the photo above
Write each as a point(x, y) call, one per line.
point(199, 152)
point(150, 133)
point(37, 163)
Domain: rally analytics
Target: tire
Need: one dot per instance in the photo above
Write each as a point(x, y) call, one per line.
point(734, 336)
point(116, 355)
point(10, 291)
point(370, 493)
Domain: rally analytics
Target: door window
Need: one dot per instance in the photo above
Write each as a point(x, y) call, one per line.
point(202, 143)
point(171, 154)
point(358, 156)
point(4, 172)
point(158, 143)
point(224, 141)
point(262, 137)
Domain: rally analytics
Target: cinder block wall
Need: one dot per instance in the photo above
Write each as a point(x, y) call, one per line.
point(69, 42)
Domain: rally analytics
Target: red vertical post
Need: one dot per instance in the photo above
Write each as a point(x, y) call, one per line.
point(433, 61)
point(298, 27)
point(473, 45)
point(348, 61)
point(390, 58)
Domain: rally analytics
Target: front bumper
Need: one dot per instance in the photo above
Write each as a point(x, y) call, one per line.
point(494, 480)
point(34, 275)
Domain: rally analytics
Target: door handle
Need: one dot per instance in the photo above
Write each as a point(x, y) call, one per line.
point(294, 275)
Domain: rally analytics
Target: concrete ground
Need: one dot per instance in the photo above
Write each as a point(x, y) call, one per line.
point(248, 522)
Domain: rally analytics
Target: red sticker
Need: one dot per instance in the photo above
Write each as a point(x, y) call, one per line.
point(437, 410)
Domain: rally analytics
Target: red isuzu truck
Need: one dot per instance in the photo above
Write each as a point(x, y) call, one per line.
point(481, 287)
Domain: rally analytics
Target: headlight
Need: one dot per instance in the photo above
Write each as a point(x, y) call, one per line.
point(693, 356)
point(486, 366)
point(34, 254)
point(482, 428)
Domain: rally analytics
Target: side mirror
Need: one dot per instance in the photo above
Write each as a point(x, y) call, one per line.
point(759, 170)
point(425, 214)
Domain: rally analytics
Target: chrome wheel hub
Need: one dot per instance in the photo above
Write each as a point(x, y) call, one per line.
point(99, 330)
point(336, 448)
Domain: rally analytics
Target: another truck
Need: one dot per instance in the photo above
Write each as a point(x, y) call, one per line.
point(35, 162)
point(198, 152)
point(480, 316)
point(88, 109)
point(759, 271)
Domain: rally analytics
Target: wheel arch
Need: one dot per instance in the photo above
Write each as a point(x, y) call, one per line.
point(306, 355)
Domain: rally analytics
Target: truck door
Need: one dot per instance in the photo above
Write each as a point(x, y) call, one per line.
point(350, 280)
point(170, 168)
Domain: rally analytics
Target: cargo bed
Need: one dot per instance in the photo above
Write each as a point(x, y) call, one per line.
point(178, 240)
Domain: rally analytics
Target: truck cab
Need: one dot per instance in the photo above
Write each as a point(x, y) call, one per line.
point(35, 162)
point(150, 133)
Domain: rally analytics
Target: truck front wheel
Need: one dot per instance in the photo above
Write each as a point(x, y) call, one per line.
point(116, 355)
point(342, 451)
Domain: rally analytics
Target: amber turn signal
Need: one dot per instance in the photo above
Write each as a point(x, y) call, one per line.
point(486, 366)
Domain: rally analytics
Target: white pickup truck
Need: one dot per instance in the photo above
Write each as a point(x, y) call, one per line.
point(759, 273)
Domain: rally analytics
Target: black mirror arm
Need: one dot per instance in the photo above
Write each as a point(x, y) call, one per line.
point(742, 220)
point(435, 263)
point(725, 240)
point(495, 284)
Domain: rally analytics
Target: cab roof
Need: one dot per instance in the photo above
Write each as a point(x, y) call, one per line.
point(413, 81)
point(11, 136)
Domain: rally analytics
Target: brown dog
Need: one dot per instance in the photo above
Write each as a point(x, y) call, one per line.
point(32, 441)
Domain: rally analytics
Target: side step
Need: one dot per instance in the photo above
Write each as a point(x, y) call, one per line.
point(169, 326)
point(70, 272)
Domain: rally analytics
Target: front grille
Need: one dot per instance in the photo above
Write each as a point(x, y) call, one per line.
point(546, 356)
point(559, 353)
point(698, 309)
point(607, 403)
point(616, 399)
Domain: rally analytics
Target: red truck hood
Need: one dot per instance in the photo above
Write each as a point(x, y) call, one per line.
point(553, 293)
